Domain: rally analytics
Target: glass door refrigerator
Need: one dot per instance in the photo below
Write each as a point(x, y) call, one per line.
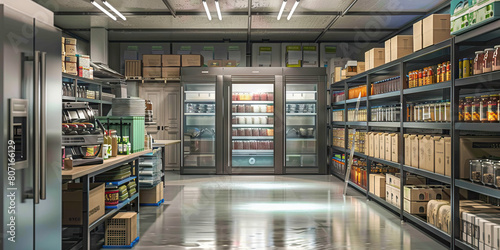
point(254, 108)
point(305, 121)
point(202, 104)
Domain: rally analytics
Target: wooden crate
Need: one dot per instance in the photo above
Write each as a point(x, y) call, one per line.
point(133, 68)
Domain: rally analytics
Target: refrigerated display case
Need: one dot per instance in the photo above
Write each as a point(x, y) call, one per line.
point(199, 123)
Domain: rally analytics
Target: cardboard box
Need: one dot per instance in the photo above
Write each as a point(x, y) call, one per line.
point(417, 36)
point(414, 150)
point(229, 63)
point(133, 68)
point(447, 155)
point(170, 72)
point(422, 193)
point(371, 186)
point(371, 143)
point(83, 61)
point(151, 72)
point(429, 153)
point(72, 59)
point(381, 144)
point(377, 57)
point(361, 67)
point(70, 50)
point(396, 192)
point(151, 196)
point(444, 218)
point(69, 41)
point(407, 146)
point(71, 68)
point(171, 60)
point(151, 60)
point(192, 60)
point(121, 229)
point(388, 193)
point(475, 148)
point(376, 144)
point(436, 28)
point(392, 180)
point(214, 63)
point(338, 74)
point(439, 155)
point(415, 207)
point(367, 143)
point(421, 153)
point(72, 203)
point(388, 147)
point(401, 46)
point(379, 186)
point(433, 209)
point(368, 65)
point(410, 180)
point(387, 51)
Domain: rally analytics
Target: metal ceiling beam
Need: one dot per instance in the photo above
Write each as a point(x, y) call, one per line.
point(170, 8)
point(410, 23)
point(228, 30)
point(240, 13)
point(323, 32)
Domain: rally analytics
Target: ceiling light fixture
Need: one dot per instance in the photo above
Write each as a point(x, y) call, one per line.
point(293, 10)
point(206, 10)
point(103, 10)
point(282, 9)
point(113, 9)
point(218, 9)
point(349, 7)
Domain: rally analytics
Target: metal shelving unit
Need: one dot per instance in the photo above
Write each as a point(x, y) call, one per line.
point(428, 174)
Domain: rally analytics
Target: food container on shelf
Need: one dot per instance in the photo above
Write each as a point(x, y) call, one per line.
point(487, 173)
point(241, 120)
point(241, 108)
point(255, 97)
point(238, 145)
point(270, 132)
point(262, 119)
point(270, 96)
point(263, 96)
point(241, 132)
point(468, 109)
point(476, 106)
point(478, 63)
point(483, 109)
point(253, 145)
point(248, 109)
point(488, 60)
point(496, 173)
point(270, 120)
point(493, 108)
point(263, 132)
point(234, 132)
point(255, 132)
point(475, 170)
point(246, 145)
point(248, 132)
point(249, 120)
point(495, 65)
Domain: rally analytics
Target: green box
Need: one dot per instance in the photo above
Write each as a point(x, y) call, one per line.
point(134, 124)
point(481, 13)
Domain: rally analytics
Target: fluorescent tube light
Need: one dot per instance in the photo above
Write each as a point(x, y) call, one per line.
point(114, 10)
point(103, 10)
point(206, 10)
point(218, 9)
point(281, 10)
point(293, 10)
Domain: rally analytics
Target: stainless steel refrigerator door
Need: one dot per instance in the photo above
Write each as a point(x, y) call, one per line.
point(16, 82)
point(48, 212)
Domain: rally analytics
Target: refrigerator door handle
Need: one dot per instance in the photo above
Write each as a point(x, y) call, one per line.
point(43, 127)
point(229, 130)
point(36, 186)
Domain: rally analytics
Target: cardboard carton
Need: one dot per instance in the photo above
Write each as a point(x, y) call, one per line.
point(394, 147)
point(417, 36)
point(361, 67)
point(371, 187)
point(122, 228)
point(447, 156)
point(376, 145)
point(408, 151)
point(377, 57)
point(71, 68)
point(133, 68)
point(381, 144)
point(380, 185)
point(387, 51)
point(433, 209)
point(338, 74)
point(151, 60)
point(414, 150)
point(436, 28)
point(388, 193)
point(368, 65)
point(422, 193)
point(439, 155)
point(69, 41)
point(71, 59)
point(475, 148)
point(192, 60)
point(70, 50)
point(371, 144)
point(410, 180)
point(415, 207)
point(388, 147)
point(151, 196)
point(422, 164)
point(367, 143)
point(401, 46)
point(444, 218)
point(151, 72)
point(72, 203)
point(170, 72)
point(171, 60)
point(214, 63)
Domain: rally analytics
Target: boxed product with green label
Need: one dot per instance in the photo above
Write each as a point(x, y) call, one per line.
point(310, 56)
point(293, 57)
point(473, 15)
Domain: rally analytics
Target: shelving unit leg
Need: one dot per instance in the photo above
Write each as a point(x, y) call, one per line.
point(85, 212)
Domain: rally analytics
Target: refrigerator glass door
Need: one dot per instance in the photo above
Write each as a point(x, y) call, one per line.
point(252, 125)
point(199, 125)
point(301, 125)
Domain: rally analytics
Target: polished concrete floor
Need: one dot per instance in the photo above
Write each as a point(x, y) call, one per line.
point(271, 212)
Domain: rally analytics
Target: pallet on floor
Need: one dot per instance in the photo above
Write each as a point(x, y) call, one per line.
point(153, 204)
point(124, 246)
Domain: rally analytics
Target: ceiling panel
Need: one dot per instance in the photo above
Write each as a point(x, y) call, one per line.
point(304, 5)
point(372, 22)
point(396, 5)
point(177, 36)
point(85, 5)
point(196, 5)
point(296, 22)
point(152, 22)
point(361, 37)
point(283, 36)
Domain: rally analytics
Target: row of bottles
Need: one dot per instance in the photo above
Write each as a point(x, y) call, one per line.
point(114, 146)
point(430, 75)
point(68, 89)
point(484, 109)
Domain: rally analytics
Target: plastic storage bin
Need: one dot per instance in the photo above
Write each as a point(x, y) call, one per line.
point(132, 126)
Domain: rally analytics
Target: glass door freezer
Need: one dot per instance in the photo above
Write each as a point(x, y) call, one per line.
point(201, 105)
point(305, 121)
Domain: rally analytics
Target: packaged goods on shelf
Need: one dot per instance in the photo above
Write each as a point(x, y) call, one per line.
point(433, 211)
point(476, 148)
point(338, 163)
point(429, 75)
point(417, 36)
point(473, 15)
point(436, 28)
point(484, 61)
point(437, 111)
point(72, 203)
point(354, 92)
point(171, 60)
point(395, 180)
point(386, 113)
point(377, 185)
point(359, 117)
point(214, 63)
point(151, 60)
point(485, 171)
point(401, 45)
point(338, 115)
point(359, 141)
point(483, 109)
point(338, 137)
point(170, 72)
point(386, 86)
point(338, 96)
point(358, 172)
point(387, 51)
point(426, 153)
point(151, 72)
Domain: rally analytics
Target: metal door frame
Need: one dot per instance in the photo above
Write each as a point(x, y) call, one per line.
point(278, 118)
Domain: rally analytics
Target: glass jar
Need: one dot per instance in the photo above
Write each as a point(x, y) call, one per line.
point(447, 111)
point(255, 132)
point(468, 109)
point(241, 108)
point(488, 60)
point(255, 97)
point(263, 96)
point(432, 112)
point(114, 143)
point(461, 110)
point(426, 115)
point(448, 71)
point(420, 78)
point(437, 111)
point(430, 76)
point(234, 132)
point(487, 173)
point(438, 73)
point(475, 170)
point(483, 110)
point(248, 109)
point(495, 65)
point(493, 108)
point(476, 106)
point(248, 132)
point(241, 132)
point(478, 63)
point(496, 172)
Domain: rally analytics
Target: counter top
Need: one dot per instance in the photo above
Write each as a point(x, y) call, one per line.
point(166, 142)
point(80, 171)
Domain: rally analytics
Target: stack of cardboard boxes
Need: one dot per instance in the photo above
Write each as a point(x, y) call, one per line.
point(416, 198)
point(151, 66)
point(69, 56)
point(432, 30)
point(382, 145)
point(162, 67)
point(377, 185)
point(480, 224)
point(171, 66)
point(151, 196)
point(393, 187)
point(351, 69)
point(431, 153)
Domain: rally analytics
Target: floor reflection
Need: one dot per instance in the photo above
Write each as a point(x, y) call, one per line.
point(271, 212)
